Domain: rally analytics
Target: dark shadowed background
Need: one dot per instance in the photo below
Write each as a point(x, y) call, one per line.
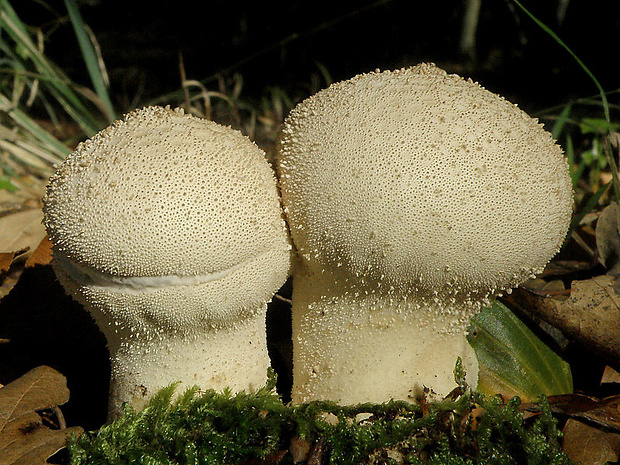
point(280, 43)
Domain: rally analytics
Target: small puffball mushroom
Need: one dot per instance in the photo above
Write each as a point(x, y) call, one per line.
point(413, 197)
point(169, 230)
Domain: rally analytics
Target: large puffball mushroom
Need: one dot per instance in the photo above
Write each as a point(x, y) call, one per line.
point(413, 197)
point(169, 230)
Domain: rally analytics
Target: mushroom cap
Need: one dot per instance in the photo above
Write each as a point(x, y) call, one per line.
point(168, 219)
point(423, 182)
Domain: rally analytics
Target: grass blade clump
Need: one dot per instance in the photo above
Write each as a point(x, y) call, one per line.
point(31, 84)
point(32, 67)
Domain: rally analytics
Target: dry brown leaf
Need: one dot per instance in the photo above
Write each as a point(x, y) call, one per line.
point(545, 288)
point(603, 412)
point(590, 315)
point(299, 449)
point(606, 413)
point(40, 388)
point(23, 437)
point(21, 230)
point(42, 255)
point(608, 238)
point(588, 445)
point(610, 376)
point(6, 258)
point(22, 197)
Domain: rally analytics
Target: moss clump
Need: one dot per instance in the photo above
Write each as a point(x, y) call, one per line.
point(257, 428)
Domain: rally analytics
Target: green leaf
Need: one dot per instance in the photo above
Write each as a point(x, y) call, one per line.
point(513, 360)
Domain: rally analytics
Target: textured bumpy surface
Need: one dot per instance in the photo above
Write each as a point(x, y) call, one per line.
point(423, 180)
point(168, 228)
point(165, 217)
point(413, 198)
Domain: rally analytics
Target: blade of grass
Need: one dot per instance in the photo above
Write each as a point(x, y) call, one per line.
point(560, 42)
point(93, 61)
point(603, 95)
point(14, 66)
point(23, 121)
point(575, 172)
point(560, 122)
point(25, 156)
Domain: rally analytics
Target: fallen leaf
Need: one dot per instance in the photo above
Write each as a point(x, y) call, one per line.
point(6, 258)
point(24, 439)
point(42, 255)
point(608, 238)
point(588, 445)
point(602, 412)
point(605, 413)
point(40, 388)
point(589, 315)
point(553, 288)
point(21, 229)
point(610, 376)
point(9, 274)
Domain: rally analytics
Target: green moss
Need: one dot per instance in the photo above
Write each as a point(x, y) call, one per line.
point(257, 428)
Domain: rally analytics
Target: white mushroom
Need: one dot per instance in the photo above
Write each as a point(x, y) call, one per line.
point(168, 229)
point(414, 197)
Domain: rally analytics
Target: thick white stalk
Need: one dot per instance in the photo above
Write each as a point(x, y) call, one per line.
point(233, 357)
point(354, 346)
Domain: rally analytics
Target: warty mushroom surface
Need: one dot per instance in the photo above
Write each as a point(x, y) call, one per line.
point(168, 229)
point(414, 197)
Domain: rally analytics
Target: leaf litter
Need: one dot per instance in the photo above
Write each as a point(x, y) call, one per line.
point(25, 436)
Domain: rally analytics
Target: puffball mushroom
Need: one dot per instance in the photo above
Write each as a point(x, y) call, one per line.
point(169, 230)
point(413, 197)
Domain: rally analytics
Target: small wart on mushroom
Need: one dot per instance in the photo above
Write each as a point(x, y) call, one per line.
point(414, 197)
point(168, 229)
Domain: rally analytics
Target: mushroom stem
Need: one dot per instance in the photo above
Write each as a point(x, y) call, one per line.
point(233, 357)
point(351, 346)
